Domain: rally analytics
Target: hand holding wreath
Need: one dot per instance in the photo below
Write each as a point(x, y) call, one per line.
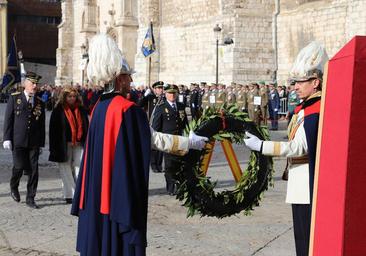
point(197, 191)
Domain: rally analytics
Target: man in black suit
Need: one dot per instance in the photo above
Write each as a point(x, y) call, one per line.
point(194, 101)
point(24, 134)
point(170, 117)
point(148, 102)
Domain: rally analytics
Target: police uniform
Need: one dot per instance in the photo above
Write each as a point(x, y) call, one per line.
point(194, 102)
point(24, 126)
point(149, 102)
point(273, 107)
point(168, 120)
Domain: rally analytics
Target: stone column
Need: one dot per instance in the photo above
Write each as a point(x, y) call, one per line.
point(126, 27)
point(64, 60)
point(3, 37)
point(253, 42)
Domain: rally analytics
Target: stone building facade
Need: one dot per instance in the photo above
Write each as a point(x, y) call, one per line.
point(266, 35)
point(3, 37)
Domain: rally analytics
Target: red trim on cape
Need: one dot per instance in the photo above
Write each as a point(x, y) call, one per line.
point(113, 121)
point(82, 193)
point(313, 109)
point(112, 124)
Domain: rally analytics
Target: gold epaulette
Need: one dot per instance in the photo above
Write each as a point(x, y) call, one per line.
point(15, 93)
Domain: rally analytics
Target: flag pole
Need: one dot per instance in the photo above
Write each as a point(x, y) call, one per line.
point(149, 76)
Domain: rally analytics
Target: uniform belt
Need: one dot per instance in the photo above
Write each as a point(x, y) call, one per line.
point(219, 101)
point(298, 160)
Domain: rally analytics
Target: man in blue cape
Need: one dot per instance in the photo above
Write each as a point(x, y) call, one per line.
point(111, 195)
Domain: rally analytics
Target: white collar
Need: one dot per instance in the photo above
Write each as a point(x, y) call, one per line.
point(171, 103)
point(27, 96)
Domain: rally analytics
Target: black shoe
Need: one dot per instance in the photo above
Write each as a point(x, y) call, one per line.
point(68, 200)
point(15, 195)
point(155, 170)
point(32, 204)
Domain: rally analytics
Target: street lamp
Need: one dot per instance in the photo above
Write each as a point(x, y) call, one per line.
point(84, 59)
point(217, 31)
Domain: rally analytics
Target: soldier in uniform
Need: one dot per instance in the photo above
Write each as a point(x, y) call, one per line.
point(307, 73)
point(263, 92)
point(170, 117)
point(206, 98)
point(220, 96)
point(253, 109)
point(150, 101)
point(230, 96)
point(241, 99)
point(194, 101)
point(213, 95)
point(182, 95)
point(200, 96)
point(24, 134)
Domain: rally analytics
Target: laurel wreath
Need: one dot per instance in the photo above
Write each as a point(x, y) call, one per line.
point(197, 192)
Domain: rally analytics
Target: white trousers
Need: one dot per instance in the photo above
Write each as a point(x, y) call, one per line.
point(69, 170)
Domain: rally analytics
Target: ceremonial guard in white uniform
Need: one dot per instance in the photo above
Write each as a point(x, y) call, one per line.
point(307, 74)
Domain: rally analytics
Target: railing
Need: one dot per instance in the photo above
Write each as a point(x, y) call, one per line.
point(283, 107)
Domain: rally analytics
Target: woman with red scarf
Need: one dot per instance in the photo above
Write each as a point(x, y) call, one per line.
point(68, 129)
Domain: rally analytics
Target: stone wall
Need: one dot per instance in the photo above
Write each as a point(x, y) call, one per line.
point(186, 49)
point(3, 37)
point(187, 44)
point(332, 23)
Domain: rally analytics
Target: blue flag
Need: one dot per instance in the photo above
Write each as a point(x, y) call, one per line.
point(12, 74)
point(148, 45)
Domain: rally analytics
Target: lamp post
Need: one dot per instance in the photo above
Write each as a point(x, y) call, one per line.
point(84, 58)
point(217, 31)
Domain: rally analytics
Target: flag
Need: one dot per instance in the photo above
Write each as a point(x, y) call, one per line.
point(148, 45)
point(12, 74)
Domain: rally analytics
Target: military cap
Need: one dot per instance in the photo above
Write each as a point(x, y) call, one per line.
point(171, 88)
point(273, 83)
point(261, 83)
point(33, 77)
point(158, 84)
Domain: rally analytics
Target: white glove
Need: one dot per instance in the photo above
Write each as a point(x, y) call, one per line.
point(147, 92)
point(196, 142)
point(7, 145)
point(275, 109)
point(253, 142)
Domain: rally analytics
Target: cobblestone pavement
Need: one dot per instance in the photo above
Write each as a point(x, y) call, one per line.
point(51, 230)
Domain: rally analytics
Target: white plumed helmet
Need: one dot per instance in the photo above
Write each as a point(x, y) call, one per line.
point(106, 60)
point(309, 63)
